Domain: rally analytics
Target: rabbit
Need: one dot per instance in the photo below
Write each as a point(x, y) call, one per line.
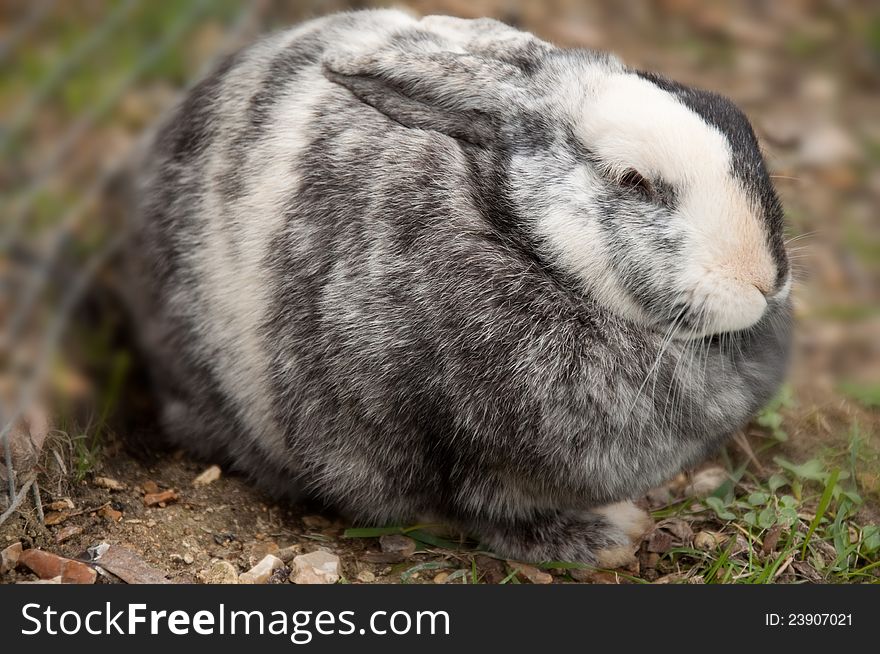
point(436, 269)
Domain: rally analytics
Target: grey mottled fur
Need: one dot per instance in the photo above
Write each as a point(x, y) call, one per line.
point(390, 335)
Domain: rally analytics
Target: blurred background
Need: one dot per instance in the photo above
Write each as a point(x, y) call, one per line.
point(82, 80)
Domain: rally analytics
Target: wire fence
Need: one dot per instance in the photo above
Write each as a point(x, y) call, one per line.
point(47, 200)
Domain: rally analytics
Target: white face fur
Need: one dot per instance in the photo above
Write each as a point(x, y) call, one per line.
point(684, 228)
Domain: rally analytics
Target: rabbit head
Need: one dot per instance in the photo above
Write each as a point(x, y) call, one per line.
point(652, 195)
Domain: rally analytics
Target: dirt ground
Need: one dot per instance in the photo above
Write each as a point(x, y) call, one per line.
point(229, 520)
point(225, 520)
point(806, 73)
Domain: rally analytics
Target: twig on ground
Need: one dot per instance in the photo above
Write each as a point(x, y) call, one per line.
point(784, 566)
point(22, 493)
point(89, 510)
point(38, 502)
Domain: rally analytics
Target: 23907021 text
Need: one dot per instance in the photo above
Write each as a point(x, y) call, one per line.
point(808, 619)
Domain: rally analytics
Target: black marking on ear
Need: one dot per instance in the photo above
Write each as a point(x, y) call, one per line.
point(748, 163)
point(458, 94)
point(468, 125)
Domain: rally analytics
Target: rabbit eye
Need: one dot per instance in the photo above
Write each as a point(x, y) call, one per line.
point(634, 181)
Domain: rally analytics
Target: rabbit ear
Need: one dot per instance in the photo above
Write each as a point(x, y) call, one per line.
point(460, 95)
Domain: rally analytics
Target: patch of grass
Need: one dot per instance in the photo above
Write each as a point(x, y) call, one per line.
point(800, 522)
point(771, 416)
point(87, 454)
point(861, 458)
point(815, 525)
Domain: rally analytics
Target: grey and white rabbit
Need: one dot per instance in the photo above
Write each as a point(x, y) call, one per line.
point(442, 270)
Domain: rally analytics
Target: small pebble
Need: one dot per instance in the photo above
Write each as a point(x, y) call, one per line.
point(111, 514)
point(9, 557)
point(55, 518)
point(315, 568)
point(261, 572)
point(108, 483)
point(397, 544)
point(221, 572)
point(161, 499)
point(707, 540)
point(209, 476)
point(66, 533)
point(150, 487)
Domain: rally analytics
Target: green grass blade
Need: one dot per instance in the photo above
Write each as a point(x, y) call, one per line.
point(371, 532)
point(508, 577)
point(821, 509)
point(430, 539)
point(769, 572)
point(711, 573)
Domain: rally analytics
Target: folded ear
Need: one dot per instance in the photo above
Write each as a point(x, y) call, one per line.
point(460, 95)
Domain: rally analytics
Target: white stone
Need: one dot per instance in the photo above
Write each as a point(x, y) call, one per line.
point(315, 568)
point(261, 572)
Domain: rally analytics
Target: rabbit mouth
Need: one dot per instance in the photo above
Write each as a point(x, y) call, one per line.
point(703, 325)
point(719, 306)
point(704, 321)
